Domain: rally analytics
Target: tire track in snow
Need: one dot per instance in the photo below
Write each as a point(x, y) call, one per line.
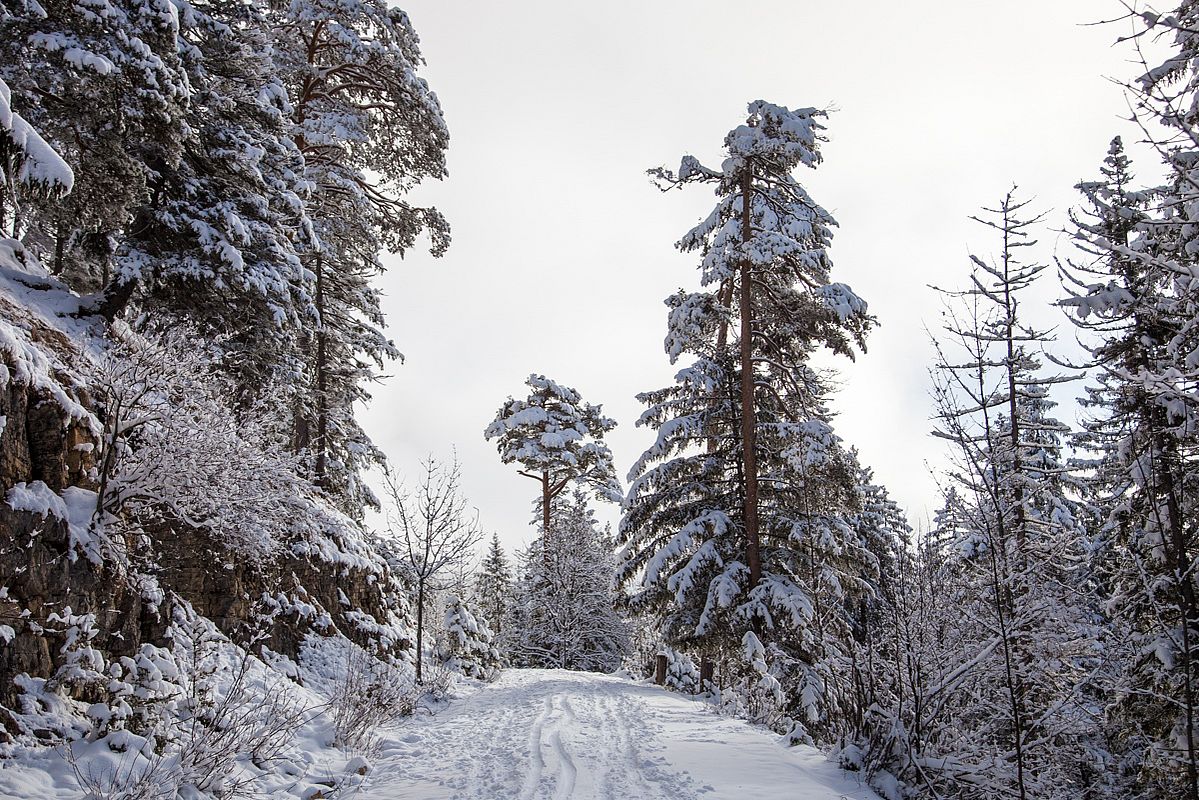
point(569, 710)
point(567, 772)
point(536, 735)
point(536, 760)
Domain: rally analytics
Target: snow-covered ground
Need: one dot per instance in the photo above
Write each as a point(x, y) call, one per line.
point(552, 734)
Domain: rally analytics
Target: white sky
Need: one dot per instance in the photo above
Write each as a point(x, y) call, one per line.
point(563, 250)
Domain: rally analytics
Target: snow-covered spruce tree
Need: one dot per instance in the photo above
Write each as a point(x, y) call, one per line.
point(102, 83)
point(558, 440)
point(563, 608)
point(468, 645)
point(493, 585)
point(1020, 644)
point(370, 129)
point(217, 244)
point(736, 526)
point(1134, 293)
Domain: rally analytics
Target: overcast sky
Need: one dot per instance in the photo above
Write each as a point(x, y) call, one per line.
point(563, 250)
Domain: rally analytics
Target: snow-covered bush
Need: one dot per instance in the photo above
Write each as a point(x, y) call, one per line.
point(164, 409)
point(756, 694)
point(682, 675)
point(467, 644)
point(202, 718)
point(216, 752)
point(370, 693)
point(123, 700)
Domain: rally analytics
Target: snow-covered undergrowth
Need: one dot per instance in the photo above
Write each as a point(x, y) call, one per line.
point(205, 719)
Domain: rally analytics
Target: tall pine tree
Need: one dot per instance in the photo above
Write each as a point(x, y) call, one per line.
point(736, 527)
point(369, 129)
point(558, 440)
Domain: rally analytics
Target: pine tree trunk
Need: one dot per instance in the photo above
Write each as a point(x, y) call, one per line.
point(545, 517)
point(748, 415)
point(322, 379)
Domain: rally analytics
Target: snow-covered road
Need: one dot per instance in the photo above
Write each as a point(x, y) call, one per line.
point(553, 735)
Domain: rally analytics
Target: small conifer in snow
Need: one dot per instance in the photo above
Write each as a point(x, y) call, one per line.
point(468, 644)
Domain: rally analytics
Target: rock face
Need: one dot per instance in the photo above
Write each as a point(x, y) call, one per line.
point(41, 441)
point(50, 429)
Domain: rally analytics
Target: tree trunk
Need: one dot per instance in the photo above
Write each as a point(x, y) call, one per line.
point(113, 299)
point(748, 415)
point(322, 379)
point(545, 516)
point(420, 628)
point(58, 246)
point(1009, 308)
point(660, 670)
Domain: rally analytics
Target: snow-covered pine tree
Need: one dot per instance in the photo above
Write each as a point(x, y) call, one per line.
point(563, 607)
point(493, 585)
point(558, 440)
point(1019, 642)
point(1133, 293)
point(101, 81)
point(370, 129)
point(468, 646)
point(736, 525)
point(218, 244)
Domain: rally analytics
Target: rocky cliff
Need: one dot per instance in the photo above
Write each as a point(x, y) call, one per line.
point(73, 576)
